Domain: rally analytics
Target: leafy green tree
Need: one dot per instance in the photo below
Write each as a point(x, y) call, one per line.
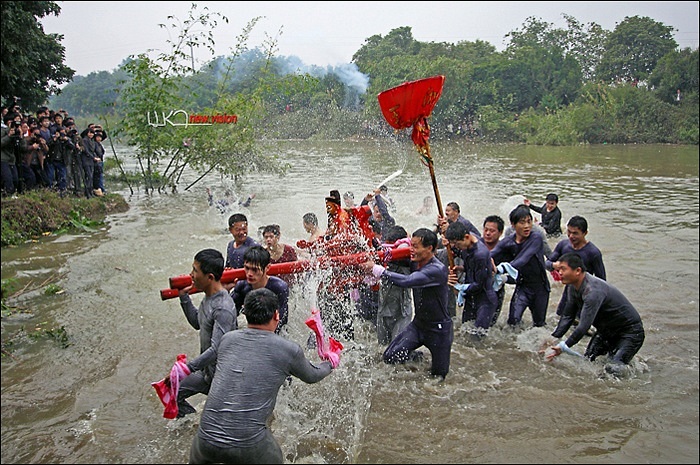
point(154, 91)
point(31, 61)
point(677, 72)
point(158, 89)
point(90, 95)
point(633, 49)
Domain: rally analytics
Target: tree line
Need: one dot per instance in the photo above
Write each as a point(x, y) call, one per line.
point(578, 84)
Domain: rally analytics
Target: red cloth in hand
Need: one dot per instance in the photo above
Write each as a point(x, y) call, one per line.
point(167, 387)
point(328, 348)
point(555, 275)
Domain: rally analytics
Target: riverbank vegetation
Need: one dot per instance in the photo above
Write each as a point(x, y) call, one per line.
point(579, 84)
point(42, 212)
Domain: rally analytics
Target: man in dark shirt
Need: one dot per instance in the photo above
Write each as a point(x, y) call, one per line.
point(238, 226)
point(477, 292)
point(256, 262)
point(620, 333)
point(432, 324)
point(576, 242)
point(551, 215)
point(524, 251)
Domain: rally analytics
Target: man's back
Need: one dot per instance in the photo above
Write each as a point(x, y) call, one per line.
point(252, 364)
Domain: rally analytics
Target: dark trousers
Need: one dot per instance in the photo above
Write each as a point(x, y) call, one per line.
point(10, 179)
point(536, 298)
point(621, 347)
point(437, 337)
point(480, 309)
point(266, 451)
point(88, 169)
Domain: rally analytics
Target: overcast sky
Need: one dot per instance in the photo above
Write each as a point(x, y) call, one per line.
point(99, 35)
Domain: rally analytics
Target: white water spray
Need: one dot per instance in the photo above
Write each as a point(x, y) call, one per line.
point(390, 177)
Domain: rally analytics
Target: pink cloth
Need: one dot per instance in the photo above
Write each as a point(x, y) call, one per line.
point(328, 348)
point(167, 387)
point(387, 248)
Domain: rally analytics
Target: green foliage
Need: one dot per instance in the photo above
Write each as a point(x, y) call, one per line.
point(52, 289)
point(31, 62)
point(495, 124)
point(543, 89)
point(96, 93)
point(677, 71)
point(633, 49)
point(41, 212)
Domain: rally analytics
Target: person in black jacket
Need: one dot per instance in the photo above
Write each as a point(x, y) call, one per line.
point(620, 333)
point(551, 215)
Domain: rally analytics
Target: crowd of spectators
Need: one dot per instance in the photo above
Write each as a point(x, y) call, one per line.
point(46, 150)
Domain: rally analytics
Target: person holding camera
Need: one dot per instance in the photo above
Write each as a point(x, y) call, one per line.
point(98, 179)
point(11, 142)
point(74, 167)
point(38, 150)
point(88, 158)
point(60, 149)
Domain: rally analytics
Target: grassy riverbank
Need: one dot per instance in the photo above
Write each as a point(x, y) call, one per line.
point(42, 212)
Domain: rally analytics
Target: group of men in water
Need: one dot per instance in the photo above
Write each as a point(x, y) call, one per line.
point(241, 370)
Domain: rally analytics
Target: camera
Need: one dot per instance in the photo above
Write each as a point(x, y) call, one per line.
point(16, 124)
point(73, 132)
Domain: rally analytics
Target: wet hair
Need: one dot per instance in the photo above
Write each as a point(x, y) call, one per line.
point(260, 305)
point(578, 222)
point(395, 233)
point(454, 206)
point(456, 231)
point(427, 237)
point(551, 196)
point(236, 218)
point(334, 197)
point(518, 213)
point(574, 261)
point(383, 188)
point(258, 256)
point(272, 228)
point(210, 261)
point(310, 218)
point(500, 224)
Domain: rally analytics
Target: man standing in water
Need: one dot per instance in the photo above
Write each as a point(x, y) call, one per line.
point(620, 332)
point(480, 299)
point(576, 231)
point(524, 250)
point(256, 263)
point(252, 365)
point(432, 324)
point(214, 317)
point(551, 215)
point(238, 226)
